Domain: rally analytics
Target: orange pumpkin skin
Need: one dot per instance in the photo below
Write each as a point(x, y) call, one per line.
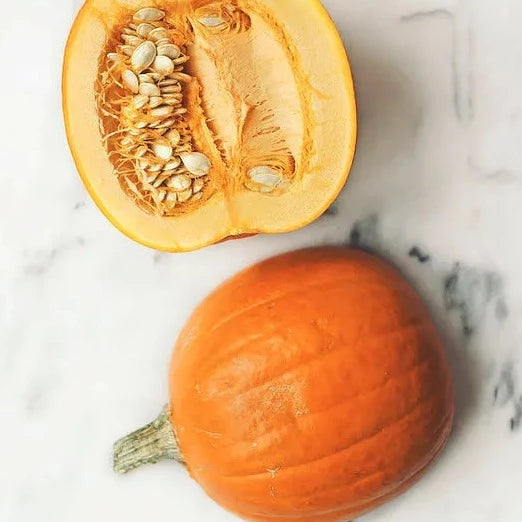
point(311, 387)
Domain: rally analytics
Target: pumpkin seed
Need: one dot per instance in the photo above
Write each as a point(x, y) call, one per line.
point(155, 101)
point(130, 81)
point(149, 89)
point(266, 176)
point(145, 78)
point(161, 179)
point(144, 29)
point(162, 65)
point(197, 164)
point(163, 110)
point(143, 56)
point(211, 21)
point(165, 124)
point(157, 167)
point(184, 196)
point(172, 100)
point(181, 60)
point(158, 34)
point(132, 40)
point(179, 182)
point(149, 14)
point(198, 185)
point(140, 100)
point(174, 96)
point(182, 77)
point(173, 136)
point(162, 41)
point(162, 151)
point(127, 49)
point(169, 89)
point(171, 199)
point(171, 165)
point(169, 49)
point(166, 83)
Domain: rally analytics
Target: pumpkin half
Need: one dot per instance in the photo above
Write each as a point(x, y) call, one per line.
point(191, 121)
point(311, 387)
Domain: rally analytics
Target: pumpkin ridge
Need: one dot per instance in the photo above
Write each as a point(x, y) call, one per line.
point(321, 357)
point(389, 490)
point(383, 494)
point(288, 293)
point(318, 512)
point(401, 418)
point(382, 385)
point(442, 428)
point(323, 284)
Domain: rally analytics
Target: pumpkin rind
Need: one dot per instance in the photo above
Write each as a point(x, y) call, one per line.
point(328, 113)
point(311, 387)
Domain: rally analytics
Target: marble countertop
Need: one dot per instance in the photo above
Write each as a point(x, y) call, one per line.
point(88, 318)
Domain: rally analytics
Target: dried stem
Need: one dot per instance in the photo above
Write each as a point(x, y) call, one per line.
point(154, 442)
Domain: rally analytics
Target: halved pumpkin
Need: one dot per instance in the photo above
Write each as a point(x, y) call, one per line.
point(191, 121)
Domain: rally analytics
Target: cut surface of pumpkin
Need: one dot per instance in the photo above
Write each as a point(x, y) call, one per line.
point(193, 121)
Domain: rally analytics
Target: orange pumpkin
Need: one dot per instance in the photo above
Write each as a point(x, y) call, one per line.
point(310, 387)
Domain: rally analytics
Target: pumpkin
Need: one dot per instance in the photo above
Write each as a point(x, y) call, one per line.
point(192, 121)
point(311, 387)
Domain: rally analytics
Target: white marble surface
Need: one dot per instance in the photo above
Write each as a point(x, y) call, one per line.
point(88, 318)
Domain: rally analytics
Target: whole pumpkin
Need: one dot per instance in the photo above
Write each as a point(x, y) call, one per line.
point(310, 387)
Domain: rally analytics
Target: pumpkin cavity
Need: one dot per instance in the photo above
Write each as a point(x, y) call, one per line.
point(192, 102)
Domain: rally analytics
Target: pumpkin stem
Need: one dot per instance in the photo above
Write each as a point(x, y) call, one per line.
point(148, 445)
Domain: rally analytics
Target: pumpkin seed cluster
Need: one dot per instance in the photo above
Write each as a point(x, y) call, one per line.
point(151, 147)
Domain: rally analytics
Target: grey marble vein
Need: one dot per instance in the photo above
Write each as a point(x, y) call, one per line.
point(461, 57)
point(468, 292)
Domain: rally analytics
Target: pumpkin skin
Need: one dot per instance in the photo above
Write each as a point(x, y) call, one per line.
point(311, 95)
point(310, 387)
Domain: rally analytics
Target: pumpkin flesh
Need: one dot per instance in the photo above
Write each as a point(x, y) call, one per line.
point(260, 95)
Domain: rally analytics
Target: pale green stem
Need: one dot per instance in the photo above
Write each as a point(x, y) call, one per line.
point(155, 441)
